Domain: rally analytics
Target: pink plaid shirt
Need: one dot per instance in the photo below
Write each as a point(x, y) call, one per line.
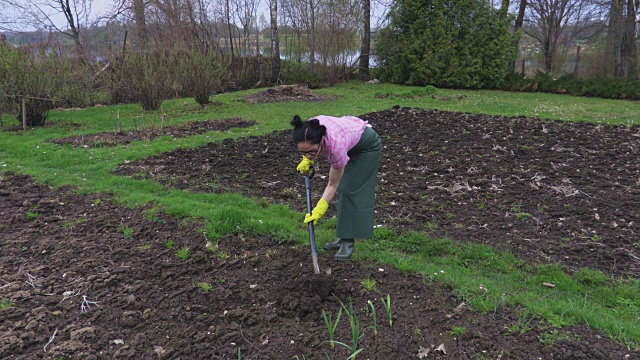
point(342, 135)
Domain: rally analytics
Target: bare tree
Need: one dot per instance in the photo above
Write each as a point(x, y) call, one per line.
point(5, 22)
point(312, 6)
point(44, 14)
point(244, 13)
point(290, 18)
point(621, 37)
point(548, 22)
point(301, 18)
point(228, 17)
point(338, 25)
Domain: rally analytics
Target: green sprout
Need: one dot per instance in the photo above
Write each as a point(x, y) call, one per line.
point(356, 331)
point(331, 325)
point(5, 304)
point(369, 284)
point(375, 318)
point(73, 222)
point(183, 253)
point(169, 244)
point(457, 330)
point(222, 255)
point(33, 213)
point(271, 253)
point(387, 307)
point(205, 287)
point(127, 232)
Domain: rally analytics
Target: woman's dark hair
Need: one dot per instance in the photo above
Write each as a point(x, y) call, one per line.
point(310, 130)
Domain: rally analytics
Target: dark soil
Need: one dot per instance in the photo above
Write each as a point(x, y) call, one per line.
point(150, 133)
point(549, 192)
point(546, 191)
point(80, 289)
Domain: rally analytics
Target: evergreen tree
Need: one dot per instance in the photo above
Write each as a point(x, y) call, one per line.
point(446, 43)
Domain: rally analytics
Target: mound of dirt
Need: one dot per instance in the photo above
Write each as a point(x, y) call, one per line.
point(150, 133)
point(284, 93)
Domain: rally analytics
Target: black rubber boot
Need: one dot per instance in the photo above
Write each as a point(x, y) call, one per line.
point(346, 249)
point(333, 245)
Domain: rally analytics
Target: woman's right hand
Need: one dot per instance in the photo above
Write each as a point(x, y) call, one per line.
point(304, 167)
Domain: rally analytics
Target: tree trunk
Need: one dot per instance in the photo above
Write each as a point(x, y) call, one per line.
point(228, 15)
point(141, 23)
point(275, 43)
point(517, 27)
point(365, 48)
point(548, 51)
point(74, 26)
point(312, 52)
point(629, 48)
point(576, 67)
point(614, 40)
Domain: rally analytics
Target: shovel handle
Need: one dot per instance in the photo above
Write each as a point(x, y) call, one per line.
point(310, 174)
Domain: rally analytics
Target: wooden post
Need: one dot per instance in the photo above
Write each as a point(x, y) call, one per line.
point(24, 114)
point(118, 122)
point(124, 43)
point(576, 68)
point(161, 117)
point(522, 66)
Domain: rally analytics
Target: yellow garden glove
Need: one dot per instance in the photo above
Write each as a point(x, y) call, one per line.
point(317, 212)
point(304, 167)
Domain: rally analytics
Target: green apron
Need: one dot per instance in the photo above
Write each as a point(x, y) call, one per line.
point(357, 189)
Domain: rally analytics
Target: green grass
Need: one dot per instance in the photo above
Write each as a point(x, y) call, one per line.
point(481, 276)
point(486, 279)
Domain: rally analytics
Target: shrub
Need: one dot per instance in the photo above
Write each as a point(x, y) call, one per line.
point(44, 79)
point(79, 88)
point(200, 73)
point(299, 73)
point(145, 76)
point(608, 88)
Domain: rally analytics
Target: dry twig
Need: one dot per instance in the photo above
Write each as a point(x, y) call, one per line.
point(50, 340)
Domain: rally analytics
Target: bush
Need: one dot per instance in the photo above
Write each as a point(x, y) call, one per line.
point(622, 89)
point(299, 73)
point(200, 73)
point(79, 88)
point(145, 76)
point(608, 88)
point(44, 79)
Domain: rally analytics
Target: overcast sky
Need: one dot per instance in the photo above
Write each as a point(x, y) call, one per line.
point(98, 8)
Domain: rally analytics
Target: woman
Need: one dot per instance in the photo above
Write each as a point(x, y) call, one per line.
point(352, 148)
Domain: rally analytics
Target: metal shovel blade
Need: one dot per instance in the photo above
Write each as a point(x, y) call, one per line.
point(312, 236)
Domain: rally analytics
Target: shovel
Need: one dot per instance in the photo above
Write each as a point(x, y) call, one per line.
point(312, 236)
